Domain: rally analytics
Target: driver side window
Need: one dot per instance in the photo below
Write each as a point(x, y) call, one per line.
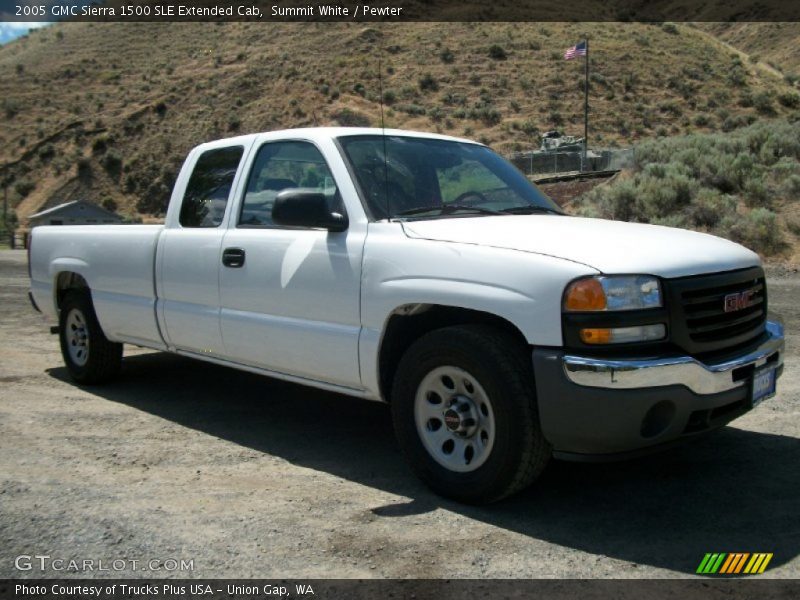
point(280, 166)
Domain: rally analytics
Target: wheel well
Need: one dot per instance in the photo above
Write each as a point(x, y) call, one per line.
point(408, 323)
point(66, 281)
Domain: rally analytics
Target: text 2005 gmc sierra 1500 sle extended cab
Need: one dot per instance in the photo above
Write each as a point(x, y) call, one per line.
point(425, 271)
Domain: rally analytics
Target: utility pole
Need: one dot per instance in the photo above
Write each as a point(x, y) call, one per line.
point(5, 202)
point(5, 212)
point(586, 109)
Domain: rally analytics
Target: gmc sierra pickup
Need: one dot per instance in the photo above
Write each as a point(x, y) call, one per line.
point(426, 272)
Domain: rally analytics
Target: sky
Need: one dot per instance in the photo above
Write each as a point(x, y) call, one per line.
point(10, 31)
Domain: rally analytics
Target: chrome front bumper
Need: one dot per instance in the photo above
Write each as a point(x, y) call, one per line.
point(698, 377)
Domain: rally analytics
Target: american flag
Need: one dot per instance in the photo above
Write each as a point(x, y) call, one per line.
point(576, 50)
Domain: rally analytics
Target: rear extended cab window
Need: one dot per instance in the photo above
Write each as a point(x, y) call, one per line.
point(209, 187)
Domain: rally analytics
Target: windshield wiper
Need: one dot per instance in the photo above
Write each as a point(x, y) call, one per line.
point(447, 209)
point(530, 208)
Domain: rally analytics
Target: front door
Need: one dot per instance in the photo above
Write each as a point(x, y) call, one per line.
point(291, 304)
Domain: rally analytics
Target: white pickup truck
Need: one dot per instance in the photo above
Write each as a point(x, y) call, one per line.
point(426, 272)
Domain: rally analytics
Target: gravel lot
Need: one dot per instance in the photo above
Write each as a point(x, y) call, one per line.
point(251, 477)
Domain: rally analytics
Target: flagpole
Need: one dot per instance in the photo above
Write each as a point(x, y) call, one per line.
point(586, 108)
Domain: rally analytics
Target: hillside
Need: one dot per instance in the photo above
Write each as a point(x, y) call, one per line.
point(774, 45)
point(107, 111)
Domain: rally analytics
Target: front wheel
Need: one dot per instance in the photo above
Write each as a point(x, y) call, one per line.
point(89, 356)
point(465, 414)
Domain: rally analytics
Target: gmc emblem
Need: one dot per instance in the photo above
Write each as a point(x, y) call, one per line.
point(739, 300)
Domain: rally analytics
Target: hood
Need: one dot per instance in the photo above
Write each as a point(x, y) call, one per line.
point(608, 246)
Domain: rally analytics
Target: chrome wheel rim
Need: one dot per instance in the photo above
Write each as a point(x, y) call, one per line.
point(77, 336)
point(454, 419)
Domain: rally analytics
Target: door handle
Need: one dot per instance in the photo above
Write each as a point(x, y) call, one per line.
point(233, 257)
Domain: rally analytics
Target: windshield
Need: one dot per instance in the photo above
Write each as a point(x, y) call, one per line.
point(408, 177)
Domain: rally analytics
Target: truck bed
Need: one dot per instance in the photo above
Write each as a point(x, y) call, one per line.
point(118, 264)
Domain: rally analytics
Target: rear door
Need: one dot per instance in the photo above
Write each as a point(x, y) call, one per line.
point(189, 252)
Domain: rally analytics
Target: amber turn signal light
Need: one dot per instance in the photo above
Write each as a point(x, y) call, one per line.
point(595, 336)
point(585, 294)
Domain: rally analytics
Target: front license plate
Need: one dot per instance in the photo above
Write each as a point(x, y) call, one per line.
point(763, 386)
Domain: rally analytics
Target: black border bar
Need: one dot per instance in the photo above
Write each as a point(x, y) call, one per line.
point(716, 588)
point(267, 11)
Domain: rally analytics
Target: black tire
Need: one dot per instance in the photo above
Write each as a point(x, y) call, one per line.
point(501, 365)
point(103, 359)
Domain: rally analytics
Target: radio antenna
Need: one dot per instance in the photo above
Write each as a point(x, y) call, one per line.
point(383, 126)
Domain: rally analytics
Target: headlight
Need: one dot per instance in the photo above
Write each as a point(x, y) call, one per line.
point(622, 292)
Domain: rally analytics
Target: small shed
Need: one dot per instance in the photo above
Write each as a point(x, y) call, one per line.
point(77, 212)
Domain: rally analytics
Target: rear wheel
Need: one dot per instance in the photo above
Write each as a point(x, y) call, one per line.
point(89, 356)
point(465, 414)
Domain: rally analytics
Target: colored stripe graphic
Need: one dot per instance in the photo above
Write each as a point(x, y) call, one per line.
point(734, 563)
point(737, 564)
point(711, 563)
point(727, 564)
point(758, 563)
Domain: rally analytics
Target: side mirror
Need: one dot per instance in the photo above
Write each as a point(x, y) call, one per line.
point(306, 208)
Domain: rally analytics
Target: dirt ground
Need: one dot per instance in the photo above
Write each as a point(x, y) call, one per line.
point(252, 477)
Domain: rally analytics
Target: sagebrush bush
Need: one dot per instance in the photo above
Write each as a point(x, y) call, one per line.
point(24, 187)
point(756, 194)
point(757, 230)
point(790, 188)
point(789, 99)
point(710, 207)
point(428, 83)
point(112, 163)
point(698, 181)
point(497, 52)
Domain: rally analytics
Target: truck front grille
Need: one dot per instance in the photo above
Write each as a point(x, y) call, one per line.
point(713, 313)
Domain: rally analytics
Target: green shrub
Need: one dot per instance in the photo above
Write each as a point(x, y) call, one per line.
point(412, 109)
point(679, 221)
point(112, 163)
point(758, 230)
point(428, 83)
point(454, 99)
point(710, 207)
point(756, 194)
point(790, 188)
point(737, 76)
point(670, 28)
point(784, 168)
point(350, 118)
point(100, 145)
point(46, 152)
point(762, 102)
point(497, 52)
point(389, 97)
point(24, 187)
point(789, 99)
point(731, 123)
point(447, 56)
point(697, 181)
point(11, 107)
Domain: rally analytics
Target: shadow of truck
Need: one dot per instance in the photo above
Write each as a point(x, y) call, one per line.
point(733, 491)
